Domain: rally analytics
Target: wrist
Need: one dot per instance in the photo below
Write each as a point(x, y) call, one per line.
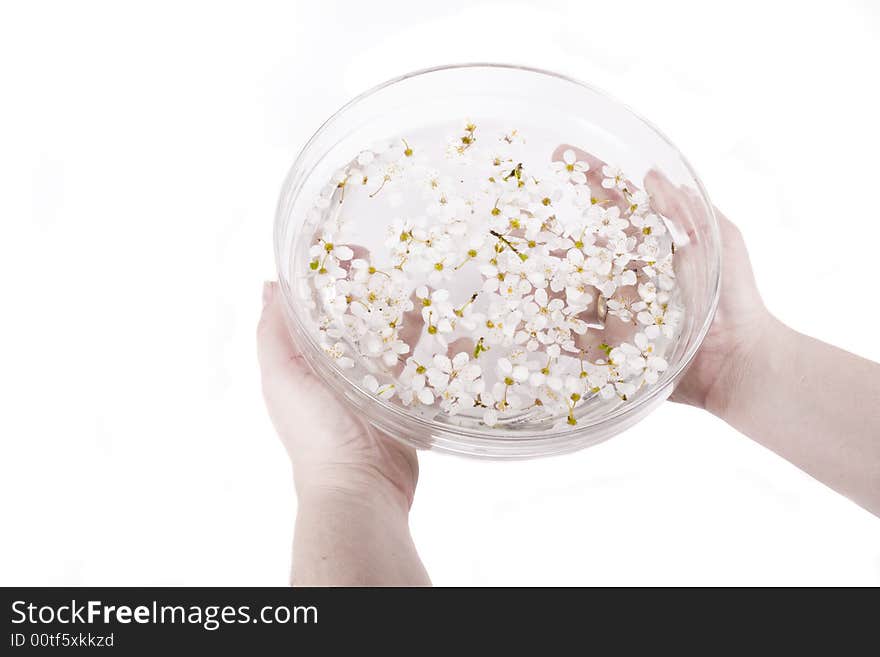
point(357, 485)
point(749, 367)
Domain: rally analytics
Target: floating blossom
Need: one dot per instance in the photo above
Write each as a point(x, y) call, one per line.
point(606, 223)
point(455, 381)
point(571, 169)
point(384, 391)
point(658, 319)
point(653, 364)
point(616, 279)
point(614, 178)
point(337, 353)
point(650, 224)
point(639, 203)
point(621, 308)
point(507, 260)
point(385, 345)
point(461, 144)
point(649, 249)
point(413, 384)
point(663, 271)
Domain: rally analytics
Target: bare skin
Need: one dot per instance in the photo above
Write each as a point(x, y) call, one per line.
point(355, 486)
point(813, 404)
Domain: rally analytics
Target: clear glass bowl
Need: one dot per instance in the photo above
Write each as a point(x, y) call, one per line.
point(586, 118)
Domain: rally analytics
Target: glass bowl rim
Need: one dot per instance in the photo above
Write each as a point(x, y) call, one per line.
point(490, 438)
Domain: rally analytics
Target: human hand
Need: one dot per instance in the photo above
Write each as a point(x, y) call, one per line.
point(742, 324)
point(331, 449)
point(813, 404)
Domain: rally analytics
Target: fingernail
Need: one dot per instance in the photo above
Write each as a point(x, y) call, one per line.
point(268, 291)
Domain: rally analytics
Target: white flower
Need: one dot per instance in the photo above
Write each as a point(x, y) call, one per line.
point(443, 368)
point(441, 271)
point(540, 315)
point(654, 364)
point(545, 304)
point(327, 248)
point(598, 381)
point(621, 308)
point(571, 169)
point(608, 386)
point(325, 257)
point(622, 250)
point(625, 389)
point(600, 261)
point(627, 359)
point(383, 174)
point(576, 279)
point(327, 273)
point(647, 291)
point(434, 304)
point(607, 222)
point(438, 327)
point(504, 216)
point(384, 391)
point(639, 202)
point(616, 278)
point(614, 178)
point(582, 197)
point(649, 249)
point(337, 353)
point(384, 345)
point(499, 278)
point(416, 388)
point(515, 373)
point(440, 371)
point(434, 184)
point(398, 235)
point(649, 224)
point(455, 381)
point(655, 321)
point(500, 326)
point(663, 271)
point(546, 200)
point(524, 248)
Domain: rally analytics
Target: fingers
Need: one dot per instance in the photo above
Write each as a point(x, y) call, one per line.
point(680, 204)
point(460, 345)
point(276, 351)
point(359, 251)
point(667, 199)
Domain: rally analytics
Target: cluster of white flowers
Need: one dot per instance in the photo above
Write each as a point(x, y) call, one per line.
point(486, 300)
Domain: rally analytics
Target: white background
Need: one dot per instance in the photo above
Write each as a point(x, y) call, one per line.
point(142, 148)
